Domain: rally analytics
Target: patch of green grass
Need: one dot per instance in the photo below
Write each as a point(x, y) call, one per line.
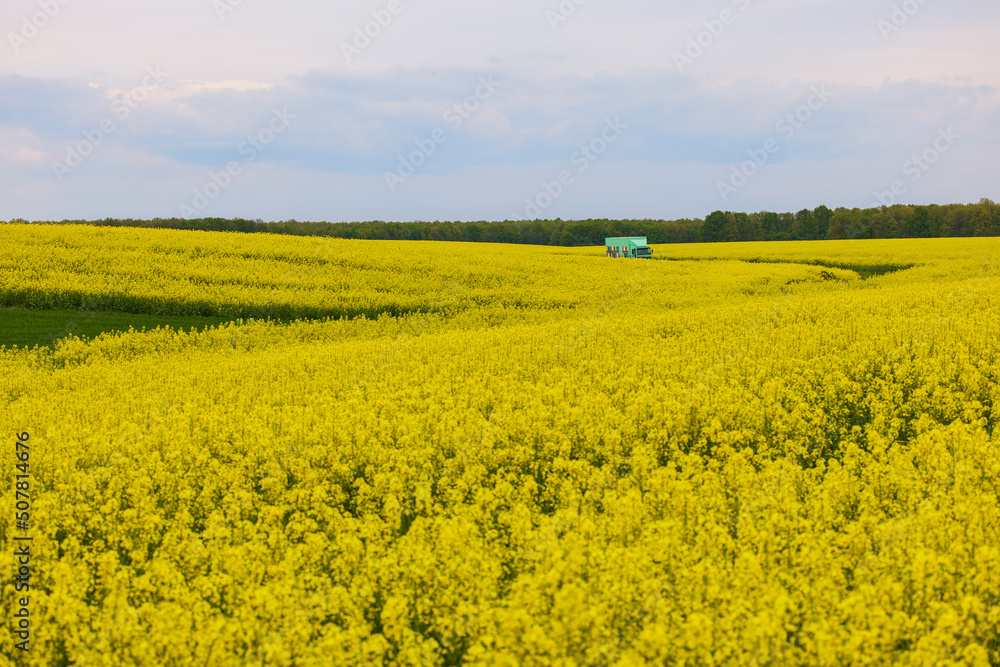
point(864, 271)
point(28, 328)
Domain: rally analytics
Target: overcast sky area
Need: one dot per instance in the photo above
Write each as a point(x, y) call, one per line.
point(446, 110)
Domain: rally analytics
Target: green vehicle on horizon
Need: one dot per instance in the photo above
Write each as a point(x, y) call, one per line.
point(632, 247)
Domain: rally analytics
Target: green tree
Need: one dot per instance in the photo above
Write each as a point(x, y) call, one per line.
point(988, 218)
point(786, 227)
point(839, 222)
point(770, 221)
point(822, 215)
point(805, 225)
point(755, 227)
point(981, 218)
point(714, 228)
point(556, 236)
point(919, 223)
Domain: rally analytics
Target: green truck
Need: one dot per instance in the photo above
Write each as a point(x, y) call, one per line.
point(633, 247)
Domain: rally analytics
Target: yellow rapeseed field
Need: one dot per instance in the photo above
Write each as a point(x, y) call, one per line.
point(735, 454)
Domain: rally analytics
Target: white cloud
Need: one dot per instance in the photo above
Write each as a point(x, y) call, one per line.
point(354, 119)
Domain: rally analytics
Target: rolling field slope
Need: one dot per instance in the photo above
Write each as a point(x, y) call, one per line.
point(778, 454)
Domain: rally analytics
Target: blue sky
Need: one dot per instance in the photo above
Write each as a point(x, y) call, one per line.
point(446, 110)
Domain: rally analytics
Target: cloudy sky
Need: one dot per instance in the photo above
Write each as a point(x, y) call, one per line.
point(490, 110)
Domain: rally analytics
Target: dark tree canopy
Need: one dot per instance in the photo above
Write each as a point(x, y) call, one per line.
point(979, 219)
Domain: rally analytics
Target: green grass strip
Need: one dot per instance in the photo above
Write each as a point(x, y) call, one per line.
point(28, 328)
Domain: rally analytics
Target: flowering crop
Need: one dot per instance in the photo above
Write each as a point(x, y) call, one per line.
point(509, 455)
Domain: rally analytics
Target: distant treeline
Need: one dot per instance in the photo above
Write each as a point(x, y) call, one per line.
point(899, 221)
